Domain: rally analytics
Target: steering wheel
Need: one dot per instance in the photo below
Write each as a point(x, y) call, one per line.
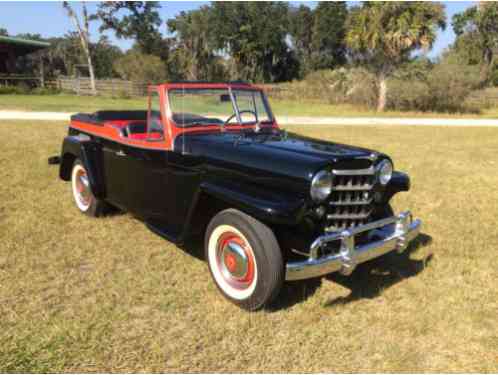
point(244, 111)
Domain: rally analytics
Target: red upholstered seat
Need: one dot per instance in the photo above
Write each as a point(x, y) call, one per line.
point(121, 123)
point(144, 136)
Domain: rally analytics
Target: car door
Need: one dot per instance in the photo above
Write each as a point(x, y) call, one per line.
point(116, 172)
point(169, 178)
point(147, 166)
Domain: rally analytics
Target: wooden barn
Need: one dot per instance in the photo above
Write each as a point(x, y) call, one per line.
point(11, 49)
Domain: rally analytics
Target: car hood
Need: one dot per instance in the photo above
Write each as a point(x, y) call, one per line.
point(279, 152)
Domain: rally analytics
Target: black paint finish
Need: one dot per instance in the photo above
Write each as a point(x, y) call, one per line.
point(266, 174)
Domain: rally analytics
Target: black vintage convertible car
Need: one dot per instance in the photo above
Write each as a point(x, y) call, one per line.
point(210, 159)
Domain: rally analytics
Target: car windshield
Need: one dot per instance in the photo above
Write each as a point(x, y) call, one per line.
point(194, 107)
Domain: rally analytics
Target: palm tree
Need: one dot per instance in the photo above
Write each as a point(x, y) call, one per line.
point(383, 35)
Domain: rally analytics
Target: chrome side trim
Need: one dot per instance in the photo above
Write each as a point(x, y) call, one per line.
point(350, 255)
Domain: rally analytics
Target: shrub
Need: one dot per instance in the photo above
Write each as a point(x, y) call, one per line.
point(45, 91)
point(444, 87)
point(134, 66)
point(450, 83)
point(484, 99)
point(9, 90)
point(420, 85)
point(20, 89)
point(122, 94)
point(408, 95)
point(339, 86)
point(26, 90)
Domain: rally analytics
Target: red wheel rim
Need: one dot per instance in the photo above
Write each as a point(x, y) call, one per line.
point(235, 260)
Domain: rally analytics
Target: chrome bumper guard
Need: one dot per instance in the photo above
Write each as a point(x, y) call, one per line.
point(349, 255)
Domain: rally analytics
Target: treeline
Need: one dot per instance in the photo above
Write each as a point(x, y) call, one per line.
point(374, 45)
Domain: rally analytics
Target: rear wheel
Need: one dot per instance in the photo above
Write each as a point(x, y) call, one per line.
point(244, 259)
point(82, 193)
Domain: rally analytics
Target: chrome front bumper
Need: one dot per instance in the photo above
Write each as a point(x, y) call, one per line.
point(349, 255)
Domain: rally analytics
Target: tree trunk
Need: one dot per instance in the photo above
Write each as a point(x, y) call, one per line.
point(486, 66)
point(92, 75)
point(87, 49)
point(84, 38)
point(382, 94)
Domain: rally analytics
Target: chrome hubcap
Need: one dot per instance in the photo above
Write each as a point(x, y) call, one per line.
point(235, 261)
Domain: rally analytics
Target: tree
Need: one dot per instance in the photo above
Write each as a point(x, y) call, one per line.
point(381, 36)
point(254, 35)
point(477, 29)
point(138, 67)
point(104, 55)
point(3, 32)
point(138, 20)
point(301, 32)
point(327, 44)
point(84, 36)
point(194, 45)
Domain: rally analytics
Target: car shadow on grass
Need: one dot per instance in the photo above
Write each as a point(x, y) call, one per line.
point(293, 293)
point(367, 281)
point(370, 279)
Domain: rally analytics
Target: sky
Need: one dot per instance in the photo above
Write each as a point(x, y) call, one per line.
point(50, 20)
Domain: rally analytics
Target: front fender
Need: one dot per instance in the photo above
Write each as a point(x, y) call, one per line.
point(90, 154)
point(269, 207)
point(399, 182)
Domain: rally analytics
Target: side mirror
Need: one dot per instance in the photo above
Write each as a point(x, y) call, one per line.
point(225, 98)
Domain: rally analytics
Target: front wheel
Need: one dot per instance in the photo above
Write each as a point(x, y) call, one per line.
point(244, 259)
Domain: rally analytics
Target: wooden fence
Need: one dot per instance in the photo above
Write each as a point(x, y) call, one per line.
point(107, 87)
point(119, 87)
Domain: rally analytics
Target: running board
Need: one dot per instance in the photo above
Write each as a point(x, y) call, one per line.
point(167, 235)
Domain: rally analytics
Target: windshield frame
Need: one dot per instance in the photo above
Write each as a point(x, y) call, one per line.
point(235, 107)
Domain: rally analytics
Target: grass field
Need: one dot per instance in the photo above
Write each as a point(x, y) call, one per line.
point(97, 295)
point(73, 103)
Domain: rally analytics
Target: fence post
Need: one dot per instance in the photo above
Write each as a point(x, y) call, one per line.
point(42, 77)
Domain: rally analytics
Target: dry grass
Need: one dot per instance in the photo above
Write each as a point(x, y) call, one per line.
point(80, 294)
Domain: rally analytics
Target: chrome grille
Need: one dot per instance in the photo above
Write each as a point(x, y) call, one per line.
point(350, 203)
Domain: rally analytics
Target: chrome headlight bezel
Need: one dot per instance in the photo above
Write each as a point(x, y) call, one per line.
point(321, 186)
point(385, 172)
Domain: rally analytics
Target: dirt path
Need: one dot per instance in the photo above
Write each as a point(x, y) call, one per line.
point(290, 120)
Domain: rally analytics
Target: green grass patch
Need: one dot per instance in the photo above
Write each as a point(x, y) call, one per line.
point(73, 103)
point(107, 295)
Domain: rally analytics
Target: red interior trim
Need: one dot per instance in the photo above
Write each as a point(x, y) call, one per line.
point(111, 129)
point(112, 133)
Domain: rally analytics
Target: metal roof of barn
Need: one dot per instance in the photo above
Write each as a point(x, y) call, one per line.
point(21, 46)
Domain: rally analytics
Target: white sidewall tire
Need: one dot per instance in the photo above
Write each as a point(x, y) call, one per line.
point(237, 294)
point(76, 168)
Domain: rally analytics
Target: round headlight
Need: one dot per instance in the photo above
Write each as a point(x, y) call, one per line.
point(385, 171)
point(321, 186)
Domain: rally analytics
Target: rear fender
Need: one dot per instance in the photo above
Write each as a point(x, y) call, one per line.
point(90, 154)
